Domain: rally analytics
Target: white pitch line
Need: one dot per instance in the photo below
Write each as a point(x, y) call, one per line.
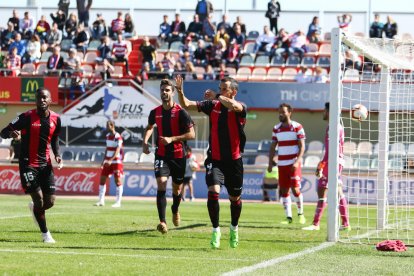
point(277, 260)
point(143, 256)
point(29, 216)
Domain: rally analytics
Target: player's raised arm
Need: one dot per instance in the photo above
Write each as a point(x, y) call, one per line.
point(231, 104)
point(184, 102)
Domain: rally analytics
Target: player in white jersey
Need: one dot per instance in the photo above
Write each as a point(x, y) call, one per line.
point(112, 165)
point(290, 137)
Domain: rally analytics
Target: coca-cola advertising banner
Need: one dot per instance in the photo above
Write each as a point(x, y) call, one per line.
point(68, 181)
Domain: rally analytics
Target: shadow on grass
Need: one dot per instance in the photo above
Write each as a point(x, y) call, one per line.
point(201, 249)
point(154, 230)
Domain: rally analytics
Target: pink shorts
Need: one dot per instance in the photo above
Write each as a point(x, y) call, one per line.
point(323, 181)
point(116, 169)
point(288, 178)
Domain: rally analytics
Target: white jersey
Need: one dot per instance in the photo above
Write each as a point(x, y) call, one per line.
point(114, 141)
point(287, 139)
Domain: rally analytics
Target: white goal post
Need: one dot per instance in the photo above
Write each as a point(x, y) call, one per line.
point(378, 172)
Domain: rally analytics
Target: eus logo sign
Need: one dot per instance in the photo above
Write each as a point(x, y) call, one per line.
point(29, 87)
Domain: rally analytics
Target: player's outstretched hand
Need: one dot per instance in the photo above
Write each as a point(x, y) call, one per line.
point(165, 140)
point(145, 148)
point(179, 82)
point(209, 95)
point(59, 161)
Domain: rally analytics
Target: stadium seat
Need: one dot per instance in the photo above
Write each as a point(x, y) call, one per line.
point(324, 62)
point(258, 74)
point(253, 35)
point(93, 45)
point(313, 49)
point(364, 148)
point(251, 146)
point(397, 149)
point(147, 158)
point(131, 157)
point(261, 159)
point(176, 46)
point(349, 163)
point(66, 44)
point(4, 153)
point(68, 155)
point(41, 68)
point(396, 164)
point(64, 55)
point(311, 161)
point(243, 74)
point(293, 61)
point(98, 156)
point(45, 56)
point(374, 163)
point(289, 74)
point(315, 148)
point(327, 36)
point(264, 146)
point(376, 149)
point(410, 150)
point(5, 142)
point(261, 61)
point(87, 70)
point(351, 75)
point(350, 147)
point(163, 48)
point(118, 71)
point(232, 71)
point(362, 163)
point(248, 48)
point(309, 61)
point(325, 49)
point(247, 60)
point(28, 69)
point(83, 156)
point(90, 57)
point(277, 60)
point(274, 74)
point(368, 76)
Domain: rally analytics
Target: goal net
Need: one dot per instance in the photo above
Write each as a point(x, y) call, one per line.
point(378, 166)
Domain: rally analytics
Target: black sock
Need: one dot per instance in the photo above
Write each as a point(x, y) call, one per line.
point(213, 208)
point(235, 209)
point(40, 216)
point(161, 205)
point(176, 203)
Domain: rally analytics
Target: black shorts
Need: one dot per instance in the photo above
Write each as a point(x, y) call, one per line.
point(170, 167)
point(35, 179)
point(227, 173)
point(187, 180)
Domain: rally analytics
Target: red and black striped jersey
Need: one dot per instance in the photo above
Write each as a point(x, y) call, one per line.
point(37, 133)
point(173, 122)
point(227, 138)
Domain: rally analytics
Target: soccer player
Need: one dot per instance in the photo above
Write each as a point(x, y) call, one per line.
point(290, 136)
point(112, 165)
point(224, 165)
point(174, 127)
point(39, 129)
point(322, 174)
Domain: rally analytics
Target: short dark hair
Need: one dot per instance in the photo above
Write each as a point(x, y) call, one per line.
point(234, 85)
point(288, 106)
point(43, 89)
point(111, 122)
point(327, 105)
point(168, 83)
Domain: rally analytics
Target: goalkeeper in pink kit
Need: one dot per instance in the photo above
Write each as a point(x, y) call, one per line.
point(322, 174)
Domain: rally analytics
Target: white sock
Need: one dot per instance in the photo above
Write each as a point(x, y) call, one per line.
point(299, 203)
point(287, 205)
point(102, 191)
point(119, 192)
point(216, 229)
point(234, 228)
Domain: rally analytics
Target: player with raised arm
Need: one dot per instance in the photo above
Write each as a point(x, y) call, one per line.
point(290, 137)
point(112, 165)
point(322, 174)
point(224, 165)
point(174, 127)
point(39, 129)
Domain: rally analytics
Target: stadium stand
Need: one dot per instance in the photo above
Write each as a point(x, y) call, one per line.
point(147, 158)
point(98, 156)
point(83, 156)
point(68, 155)
point(131, 157)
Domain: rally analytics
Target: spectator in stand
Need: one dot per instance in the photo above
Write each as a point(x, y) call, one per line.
point(71, 26)
point(2, 59)
point(217, 53)
point(390, 28)
point(233, 54)
point(204, 9)
point(376, 29)
point(238, 35)
point(105, 57)
point(55, 61)
point(186, 57)
point(81, 39)
point(20, 44)
point(83, 7)
point(148, 52)
point(273, 12)
point(222, 72)
point(42, 28)
point(53, 38)
point(195, 29)
point(179, 69)
point(129, 30)
point(314, 37)
point(319, 76)
point(143, 74)
point(26, 25)
point(120, 51)
point(352, 60)
point(225, 23)
point(190, 73)
point(15, 20)
point(33, 53)
point(7, 36)
point(241, 24)
point(188, 46)
point(73, 62)
point(344, 21)
point(282, 43)
point(168, 63)
point(222, 34)
point(200, 54)
point(209, 73)
point(13, 62)
point(72, 66)
point(165, 29)
point(298, 44)
point(98, 29)
point(209, 28)
point(177, 30)
point(302, 76)
point(63, 5)
point(59, 18)
point(117, 25)
point(265, 41)
point(160, 72)
point(314, 30)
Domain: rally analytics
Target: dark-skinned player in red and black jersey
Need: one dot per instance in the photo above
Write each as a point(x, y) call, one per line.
point(39, 129)
point(174, 126)
point(224, 164)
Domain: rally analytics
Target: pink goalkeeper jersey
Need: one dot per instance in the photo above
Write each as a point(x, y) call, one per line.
point(287, 139)
point(341, 149)
point(113, 141)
